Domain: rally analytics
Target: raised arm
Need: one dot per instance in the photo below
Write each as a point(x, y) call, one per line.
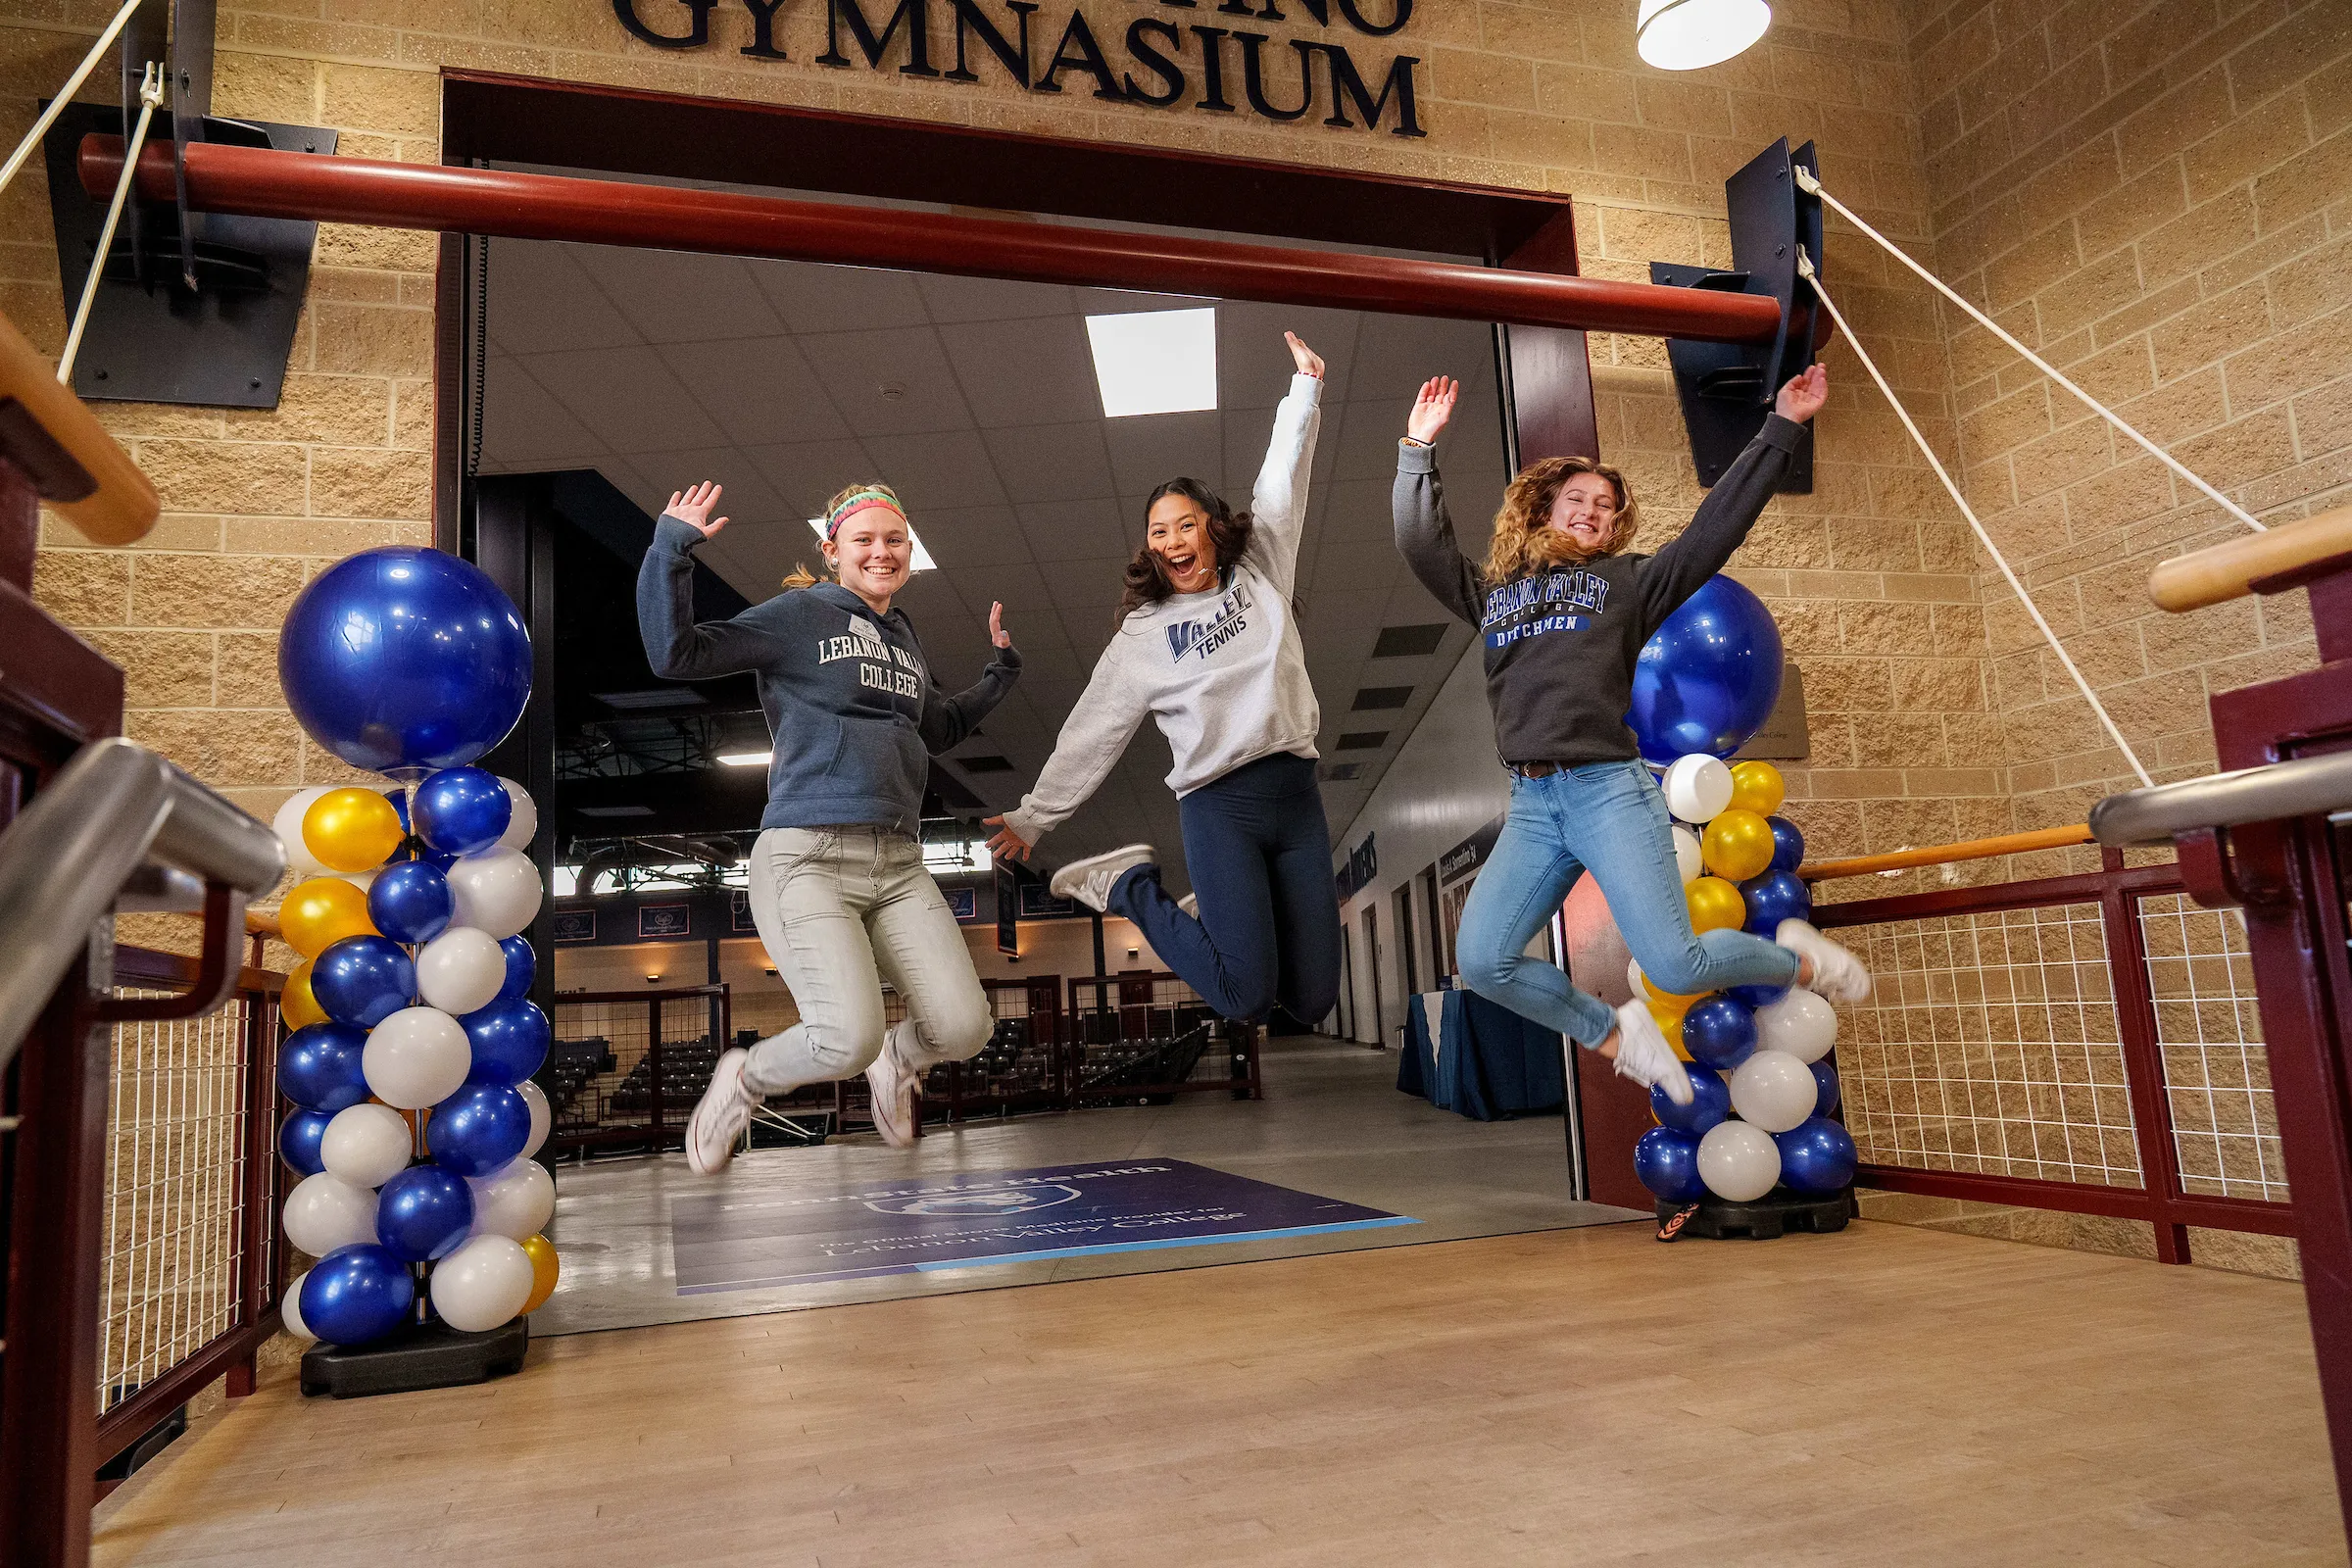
point(1723, 521)
point(947, 719)
point(1278, 505)
point(676, 645)
point(1097, 732)
point(1424, 528)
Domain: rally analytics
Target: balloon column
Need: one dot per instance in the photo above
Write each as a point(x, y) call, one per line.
point(412, 1036)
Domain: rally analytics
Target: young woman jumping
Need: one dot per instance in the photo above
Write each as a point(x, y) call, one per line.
point(838, 890)
point(1209, 645)
point(1563, 613)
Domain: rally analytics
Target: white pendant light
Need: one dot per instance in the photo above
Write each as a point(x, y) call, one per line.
point(1685, 35)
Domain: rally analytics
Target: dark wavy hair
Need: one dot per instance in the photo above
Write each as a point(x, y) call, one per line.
point(1146, 580)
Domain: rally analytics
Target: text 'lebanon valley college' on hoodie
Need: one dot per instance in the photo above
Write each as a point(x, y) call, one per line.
point(852, 709)
point(1223, 672)
point(1560, 642)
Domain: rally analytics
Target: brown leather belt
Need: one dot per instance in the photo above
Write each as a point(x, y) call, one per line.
point(1537, 769)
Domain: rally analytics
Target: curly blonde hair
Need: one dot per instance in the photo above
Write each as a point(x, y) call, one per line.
point(802, 576)
point(1525, 540)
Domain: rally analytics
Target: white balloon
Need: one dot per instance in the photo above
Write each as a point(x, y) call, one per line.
point(1697, 787)
point(461, 970)
point(543, 1115)
point(289, 1309)
point(324, 1212)
point(1800, 1023)
point(524, 823)
point(366, 1145)
point(516, 1200)
point(287, 824)
point(1774, 1091)
point(1687, 858)
point(497, 891)
point(362, 880)
point(1738, 1162)
point(416, 1057)
point(483, 1284)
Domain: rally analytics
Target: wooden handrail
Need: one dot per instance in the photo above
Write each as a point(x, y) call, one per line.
point(75, 465)
point(2286, 556)
point(2040, 837)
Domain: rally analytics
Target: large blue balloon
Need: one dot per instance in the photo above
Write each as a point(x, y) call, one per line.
point(522, 967)
point(1817, 1155)
point(403, 657)
point(356, 1293)
point(511, 1039)
point(463, 810)
point(1788, 844)
point(1706, 679)
point(411, 901)
point(318, 1066)
point(1825, 1087)
point(423, 1212)
point(363, 980)
point(1666, 1162)
point(479, 1129)
point(1710, 1102)
point(1774, 897)
point(1719, 1033)
point(298, 1140)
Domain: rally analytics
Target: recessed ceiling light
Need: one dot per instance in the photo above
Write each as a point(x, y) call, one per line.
point(1686, 34)
point(923, 557)
point(745, 759)
point(1155, 361)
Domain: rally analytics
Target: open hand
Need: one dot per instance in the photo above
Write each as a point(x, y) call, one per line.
point(1433, 408)
point(694, 505)
point(1004, 843)
point(996, 625)
point(1309, 363)
point(1804, 396)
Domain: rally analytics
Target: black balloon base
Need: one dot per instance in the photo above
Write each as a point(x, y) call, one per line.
point(428, 1355)
point(1768, 1219)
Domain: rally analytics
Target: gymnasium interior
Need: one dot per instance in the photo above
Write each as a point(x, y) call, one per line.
point(375, 913)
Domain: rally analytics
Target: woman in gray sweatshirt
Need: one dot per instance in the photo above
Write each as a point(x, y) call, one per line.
point(838, 891)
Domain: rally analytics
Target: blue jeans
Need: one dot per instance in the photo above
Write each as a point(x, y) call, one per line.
point(1610, 819)
point(1259, 852)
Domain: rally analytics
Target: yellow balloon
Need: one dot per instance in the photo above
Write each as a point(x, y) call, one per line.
point(1670, 1024)
point(1736, 843)
point(544, 1269)
point(1758, 787)
point(351, 829)
point(1674, 1000)
point(1715, 905)
point(321, 913)
point(300, 1007)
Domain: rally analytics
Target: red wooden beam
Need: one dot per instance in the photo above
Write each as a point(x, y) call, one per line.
point(260, 182)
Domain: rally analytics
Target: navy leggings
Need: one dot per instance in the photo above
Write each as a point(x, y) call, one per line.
point(1259, 852)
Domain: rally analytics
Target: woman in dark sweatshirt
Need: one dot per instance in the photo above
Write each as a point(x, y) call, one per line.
point(838, 889)
point(1562, 613)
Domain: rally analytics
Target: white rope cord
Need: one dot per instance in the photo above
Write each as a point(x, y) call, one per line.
point(1804, 267)
point(1812, 186)
point(151, 93)
point(64, 94)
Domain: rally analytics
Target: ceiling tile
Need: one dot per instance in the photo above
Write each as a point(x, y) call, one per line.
point(947, 468)
point(1076, 530)
point(522, 422)
point(888, 381)
point(991, 299)
point(758, 389)
point(1053, 461)
point(628, 397)
point(812, 297)
point(970, 537)
point(1025, 371)
point(1150, 449)
point(680, 296)
point(807, 474)
point(1018, 587)
point(542, 299)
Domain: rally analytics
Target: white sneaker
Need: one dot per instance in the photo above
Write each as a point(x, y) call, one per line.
point(720, 1116)
point(1837, 973)
point(1190, 903)
point(893, 1085)
point(1644, 1057)
point(1090, 880)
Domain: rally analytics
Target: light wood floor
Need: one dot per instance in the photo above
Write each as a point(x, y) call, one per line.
point(1888, 1396)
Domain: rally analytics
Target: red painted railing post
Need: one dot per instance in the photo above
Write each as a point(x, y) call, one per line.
point(2144, 1077)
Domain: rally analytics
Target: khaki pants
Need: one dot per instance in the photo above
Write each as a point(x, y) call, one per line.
point(840, 910)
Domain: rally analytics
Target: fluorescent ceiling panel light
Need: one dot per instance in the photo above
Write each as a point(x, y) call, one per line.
point(1686, 34)
point(923, 558)
point(1155, 361)
point(745, 759)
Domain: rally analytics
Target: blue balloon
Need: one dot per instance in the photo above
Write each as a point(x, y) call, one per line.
point(423, 1212)
point(437, 860)
point(463, 810)
point(1719, 1033)
point(1774, 897)
point(1817, 1155)
point(511, 1039)
point(1666, 1162)
point(1788, 844)
point(522, 967)
point(400, 806)
point(1707, 678)
point(356, 1293)
point(363, 980)
point(404, 657)
point(411, 901)
point(1710, 1102)
point(298, 1140)
point(318, 1066)
point(1755, 995)
point(479, 1129)
point(1825, 1082)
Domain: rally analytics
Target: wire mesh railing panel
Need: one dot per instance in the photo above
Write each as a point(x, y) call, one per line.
point(597, 1045)
point(1991, 1045)
point(175, 1139)
point(2217, 1075)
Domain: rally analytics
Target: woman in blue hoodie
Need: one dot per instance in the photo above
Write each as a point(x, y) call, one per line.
point(838, 889)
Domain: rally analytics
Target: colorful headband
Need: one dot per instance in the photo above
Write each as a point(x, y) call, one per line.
point(858, 501)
